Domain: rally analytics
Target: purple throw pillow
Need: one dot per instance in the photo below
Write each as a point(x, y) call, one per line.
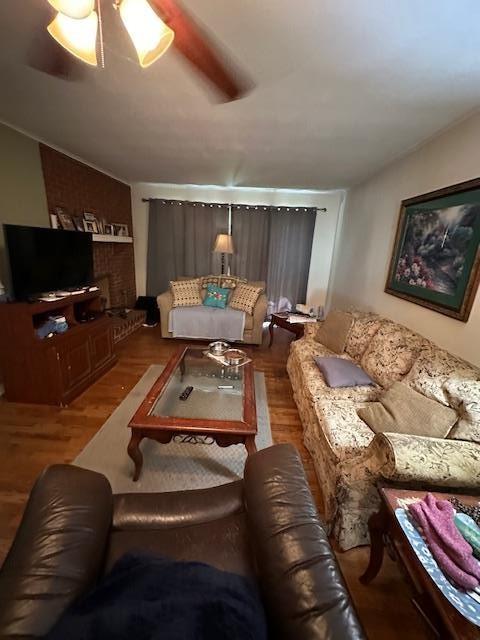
point(339, 372)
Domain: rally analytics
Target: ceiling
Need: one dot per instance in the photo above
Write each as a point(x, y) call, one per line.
point(342, 88)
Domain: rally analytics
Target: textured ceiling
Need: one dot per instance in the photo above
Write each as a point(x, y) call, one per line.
point(342, 87)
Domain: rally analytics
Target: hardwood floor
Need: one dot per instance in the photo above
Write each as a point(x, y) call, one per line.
point(33, 436)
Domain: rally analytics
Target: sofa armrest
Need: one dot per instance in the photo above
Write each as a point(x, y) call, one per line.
point(260, 310)
point(165, 301)
point(302, 584)
point(259, 314)
point(433, 461)
point(310, 329)
point(57, 553)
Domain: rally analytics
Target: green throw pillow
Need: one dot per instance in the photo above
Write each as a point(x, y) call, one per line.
point(216, 296)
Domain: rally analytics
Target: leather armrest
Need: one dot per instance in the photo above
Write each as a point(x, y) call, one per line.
point(57, 553)
point(302, 585)
point(175, 509)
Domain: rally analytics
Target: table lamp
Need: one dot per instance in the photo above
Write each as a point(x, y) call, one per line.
point(223, 245)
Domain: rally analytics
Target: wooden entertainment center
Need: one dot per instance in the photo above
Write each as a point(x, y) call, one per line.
point(57, 369)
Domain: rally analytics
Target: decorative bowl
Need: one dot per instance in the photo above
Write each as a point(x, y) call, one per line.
point(218, 348)
point(234, 356)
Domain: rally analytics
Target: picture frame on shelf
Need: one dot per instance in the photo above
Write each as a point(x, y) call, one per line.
point(90, 226)
point(65, 221)
point(436, 256)
point(54, 221)
point(108, 229)
point(78, 222)
point(121, 230)
point(89, 217)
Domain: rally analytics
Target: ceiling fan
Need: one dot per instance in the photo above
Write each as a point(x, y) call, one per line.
point(153, 26)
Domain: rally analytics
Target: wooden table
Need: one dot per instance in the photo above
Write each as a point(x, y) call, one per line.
point(385, 529)
point(281, 320)
point(210, 414)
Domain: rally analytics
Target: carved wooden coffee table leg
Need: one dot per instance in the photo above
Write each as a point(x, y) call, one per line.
point(135, 453)
point(378, 527)
point(250, 445)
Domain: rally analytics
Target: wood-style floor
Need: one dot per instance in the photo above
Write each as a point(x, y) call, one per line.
point(33, 436)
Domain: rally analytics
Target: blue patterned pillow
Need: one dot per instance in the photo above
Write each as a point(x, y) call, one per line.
point(216, 296)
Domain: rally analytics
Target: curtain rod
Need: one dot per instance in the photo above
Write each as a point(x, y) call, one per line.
point(227, 204)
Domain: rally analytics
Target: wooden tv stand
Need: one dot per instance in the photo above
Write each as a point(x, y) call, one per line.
point(54, 370)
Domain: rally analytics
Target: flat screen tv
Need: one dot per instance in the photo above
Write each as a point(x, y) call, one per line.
point(43, 260)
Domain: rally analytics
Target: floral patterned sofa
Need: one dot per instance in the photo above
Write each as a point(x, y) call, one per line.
point(349, 458)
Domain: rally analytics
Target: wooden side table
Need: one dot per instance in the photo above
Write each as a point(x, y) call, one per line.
point(281, 320)
point(384, 529)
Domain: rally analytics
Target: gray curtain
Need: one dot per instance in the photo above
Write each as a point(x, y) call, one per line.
point(274, 244)
point(290, 250)
point(250, 231)
point(181, 236)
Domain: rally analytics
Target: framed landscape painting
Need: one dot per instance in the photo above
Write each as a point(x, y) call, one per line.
point(436, 257)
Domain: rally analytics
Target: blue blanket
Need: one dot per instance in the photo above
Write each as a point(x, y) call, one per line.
point(150, 598)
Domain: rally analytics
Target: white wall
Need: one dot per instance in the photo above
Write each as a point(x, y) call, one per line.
point(323, 240)
point(367, 237)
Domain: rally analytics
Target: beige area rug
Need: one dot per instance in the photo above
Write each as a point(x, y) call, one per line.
point(167, 467)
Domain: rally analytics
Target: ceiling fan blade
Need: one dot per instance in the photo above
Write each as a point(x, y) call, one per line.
point(191, 41)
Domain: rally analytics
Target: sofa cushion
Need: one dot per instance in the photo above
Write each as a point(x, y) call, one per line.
point(391, 353)
point(333, 333)
point(186, 293)
point(302, 359)
point(464, 397)
point(340, 372)
point(364, 327)
point(231, 282)
point(432, 370)
point(245, 298)
point(346, 433)
point(402, 410)
point(206, 280)
point(216, 296)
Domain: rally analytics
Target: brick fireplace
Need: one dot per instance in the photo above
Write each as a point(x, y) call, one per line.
point(116, 262)
point(76, 187)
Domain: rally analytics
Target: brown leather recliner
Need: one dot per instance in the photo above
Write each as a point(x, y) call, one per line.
point(265, 527)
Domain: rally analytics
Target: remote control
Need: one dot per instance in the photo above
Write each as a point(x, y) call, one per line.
point(186, 393)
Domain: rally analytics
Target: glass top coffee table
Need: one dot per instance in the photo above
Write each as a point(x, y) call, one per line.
point(220, 408)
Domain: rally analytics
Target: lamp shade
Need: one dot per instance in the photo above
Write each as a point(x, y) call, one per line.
point(77, 9)
point(223, 244)
point(151, 37)
point(79, 37)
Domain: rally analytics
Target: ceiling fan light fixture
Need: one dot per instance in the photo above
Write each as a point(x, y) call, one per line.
point(77, 9)
point(79, 37)
point(151, 37)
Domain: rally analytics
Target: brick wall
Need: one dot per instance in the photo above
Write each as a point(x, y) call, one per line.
point(77, 188)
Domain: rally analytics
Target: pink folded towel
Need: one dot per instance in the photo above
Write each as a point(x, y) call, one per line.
point(449, 548)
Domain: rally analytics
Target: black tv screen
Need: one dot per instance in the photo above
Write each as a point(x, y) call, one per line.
point(44, 260)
